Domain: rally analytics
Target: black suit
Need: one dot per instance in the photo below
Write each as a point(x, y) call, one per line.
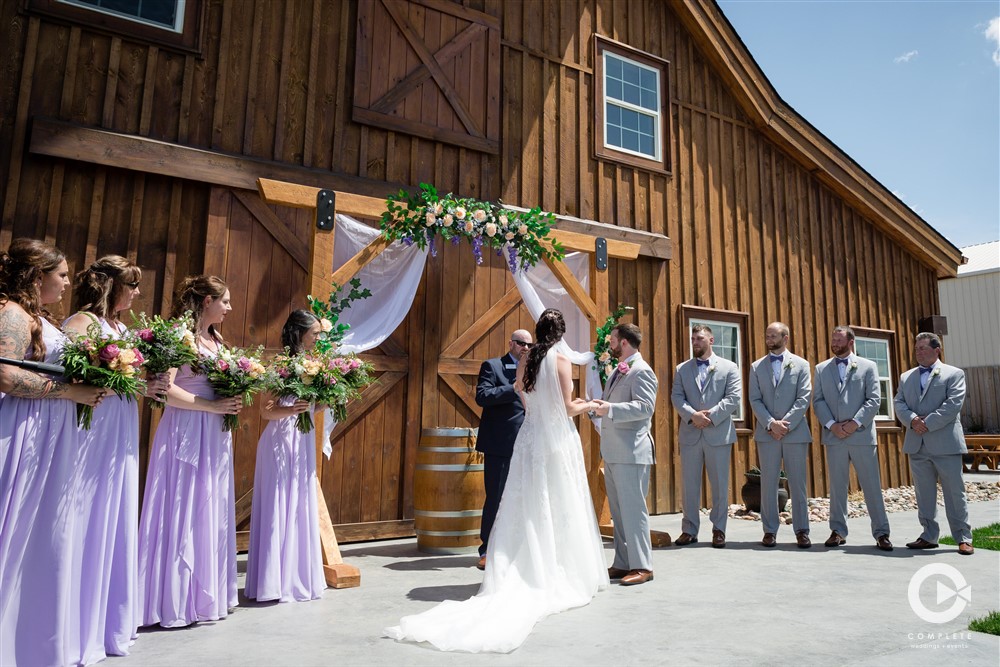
point(498, 427)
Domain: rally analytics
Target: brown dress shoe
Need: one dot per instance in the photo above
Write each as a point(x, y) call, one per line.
point(770, 540)
point(835, 540)
point(882, 542)
point(637, 577)
point(718, 539)
point(481, 563)
point(965, 549)
point(802, 540)
point(921, 543)
point(685, 539)
point(616, 572)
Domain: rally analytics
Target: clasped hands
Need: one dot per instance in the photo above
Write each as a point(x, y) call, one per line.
point(919, 426)
point(779, 428)
point(844, 428)
point(596, 407)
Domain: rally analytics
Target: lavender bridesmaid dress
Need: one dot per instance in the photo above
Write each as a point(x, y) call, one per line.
point(107, 566)
point(40, 608)
point(285, 561)
point(187, 533)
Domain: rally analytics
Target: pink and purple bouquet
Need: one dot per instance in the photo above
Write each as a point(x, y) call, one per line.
point(102, 361)
point(165, 343)
point(234, 372)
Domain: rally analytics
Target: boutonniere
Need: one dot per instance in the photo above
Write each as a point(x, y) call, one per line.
point(854, 366)
point(788, 364)
point(936, 372)
point(623, 368)
point(711, 369)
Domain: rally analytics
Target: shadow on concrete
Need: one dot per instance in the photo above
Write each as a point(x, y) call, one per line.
point(441, 593)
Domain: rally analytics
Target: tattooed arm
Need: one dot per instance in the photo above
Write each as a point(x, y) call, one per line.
point(15, 339)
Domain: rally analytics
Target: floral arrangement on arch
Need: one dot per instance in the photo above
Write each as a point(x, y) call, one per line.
point(605, 362)
point(423, 216)
point(329, 312)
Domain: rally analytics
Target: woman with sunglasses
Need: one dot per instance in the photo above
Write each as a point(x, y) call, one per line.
point(108, 462)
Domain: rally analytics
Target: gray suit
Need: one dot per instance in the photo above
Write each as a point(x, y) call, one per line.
point(858, 399)
point(937, 454)
point(786, 400)
point(627, 449)
point(708, 447)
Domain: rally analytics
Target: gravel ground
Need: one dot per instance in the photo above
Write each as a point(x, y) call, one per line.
point(896, 500)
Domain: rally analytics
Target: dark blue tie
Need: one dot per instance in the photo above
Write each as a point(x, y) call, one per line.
point(924, 370)
point(776, 357)
point(701, 362)
point(842, 361)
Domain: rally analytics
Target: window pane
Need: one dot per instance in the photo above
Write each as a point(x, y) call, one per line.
point(630, 73)
point(159, 11)
point(630, 119)
point(614, 89)
point(648, 80)
point(646, 146)
point(648, 100)
point(631, 94)
point(630, 140)
point(614, 136)
point(613, 114)
point(883, 408)
point(612, 66)
point(646, 124)
point(877, 350)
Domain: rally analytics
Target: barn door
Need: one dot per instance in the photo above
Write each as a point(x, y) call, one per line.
point(262, 253)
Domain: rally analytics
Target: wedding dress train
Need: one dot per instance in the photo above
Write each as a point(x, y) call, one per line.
point(545, 553)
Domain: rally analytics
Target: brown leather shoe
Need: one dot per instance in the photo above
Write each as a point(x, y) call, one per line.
point(966, 549)
point(802, 540)
point(718, 539)
point(636, 577)
point(882, 542)
point(685, 539)
point(835, 540)
point(481, 563)
point(770, 540)
point(616, 572)
point(921, 543)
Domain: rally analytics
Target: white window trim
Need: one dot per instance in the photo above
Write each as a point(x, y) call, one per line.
point(178, 26)
point(888, 356)
point(657, 115)
point(692, 321)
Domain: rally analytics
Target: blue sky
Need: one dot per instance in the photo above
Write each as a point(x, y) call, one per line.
point(909, 89)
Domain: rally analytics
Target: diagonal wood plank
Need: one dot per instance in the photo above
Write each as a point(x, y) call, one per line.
point(296, 247)
point(575, 290)
point(435, 69)
point(412, 81)
point(342, 275)
point(464, 341)
point(463, 391)
point(369, 397)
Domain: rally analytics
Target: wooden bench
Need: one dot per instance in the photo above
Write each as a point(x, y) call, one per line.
point(983, 448)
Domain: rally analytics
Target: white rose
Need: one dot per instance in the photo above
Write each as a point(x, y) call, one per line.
point(491, 229)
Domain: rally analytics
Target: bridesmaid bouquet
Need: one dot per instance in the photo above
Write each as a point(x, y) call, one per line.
point(319, 376)
point(234, 372)
point(110, 362)
point(165, 343)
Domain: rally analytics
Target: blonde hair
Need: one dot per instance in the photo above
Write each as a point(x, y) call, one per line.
point(98, 288)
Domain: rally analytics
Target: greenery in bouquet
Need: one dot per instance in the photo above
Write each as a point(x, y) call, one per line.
point(604, 361)
point(329, 312)
point(165, 343)
point(423, 216)
point(321, 377)
point(234, 372)
point(111, 362)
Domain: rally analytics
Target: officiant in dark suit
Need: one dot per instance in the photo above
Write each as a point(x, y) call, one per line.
point(503, 413)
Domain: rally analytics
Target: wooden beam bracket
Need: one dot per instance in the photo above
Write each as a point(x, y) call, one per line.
point(326, 209)
point(601, 253)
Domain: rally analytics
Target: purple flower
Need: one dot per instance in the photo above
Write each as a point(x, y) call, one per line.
point(455, 240)
point(407, 240)
point(109, 352)
point(433, 247)
point(146, 335)
point(283, 373)
point(512, 258)
point(222, 365)
point(477, 248)
point(243, 364)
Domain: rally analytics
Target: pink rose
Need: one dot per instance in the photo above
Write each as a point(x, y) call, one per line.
point(243, 364)
point(283, 372)
point(139, 359)
point(109, 352)
point(222, 365)
point(146, 335)
point(354, 364)
point(622, 368)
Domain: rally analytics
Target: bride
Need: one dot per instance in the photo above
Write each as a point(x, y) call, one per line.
point(545, 553)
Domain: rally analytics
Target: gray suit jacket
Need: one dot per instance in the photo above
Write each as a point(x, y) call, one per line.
point(721, 395)
point(625, 436)
point(940, 404)
point(857, 399)
point(788, 400)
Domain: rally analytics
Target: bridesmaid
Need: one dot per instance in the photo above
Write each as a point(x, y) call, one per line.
point(187, 533)
point(40, 620)
point(285, 560)
point(108, 460)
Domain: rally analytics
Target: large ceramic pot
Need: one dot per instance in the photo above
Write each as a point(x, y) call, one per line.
point(751, 492)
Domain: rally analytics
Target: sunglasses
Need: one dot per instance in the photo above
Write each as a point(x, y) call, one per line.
point(132, 285)
point(520, 342)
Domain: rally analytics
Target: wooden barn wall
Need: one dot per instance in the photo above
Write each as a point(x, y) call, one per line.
point(753, 230)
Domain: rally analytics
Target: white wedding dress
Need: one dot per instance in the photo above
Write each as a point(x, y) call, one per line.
point(545, 553)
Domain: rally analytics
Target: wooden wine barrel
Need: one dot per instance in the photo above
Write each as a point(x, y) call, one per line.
point(448, 491)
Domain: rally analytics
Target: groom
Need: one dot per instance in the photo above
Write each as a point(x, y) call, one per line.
point(627, 449)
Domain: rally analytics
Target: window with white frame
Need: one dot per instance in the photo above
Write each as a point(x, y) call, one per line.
point(728, 330)
point(168, 14)
point(174, 24)
point(877, 350)
point(631, 106)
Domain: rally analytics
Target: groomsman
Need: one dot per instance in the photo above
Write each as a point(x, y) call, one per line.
point(503, 414)
point(706, 393)
point(928, 404)
point(846, 399)
point(780, 390)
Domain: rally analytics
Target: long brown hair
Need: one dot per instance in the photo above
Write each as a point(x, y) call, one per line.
point(98, 288)
point(548, 331)
point(190, 295)
point(26, 261)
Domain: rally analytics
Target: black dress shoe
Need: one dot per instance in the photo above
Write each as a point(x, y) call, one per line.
point(802, 540)
point(718, 539)
point(616, 572)
point(835, 540)
point(882, 542)
point(770, 540)
point(685, 539)
point(921, 543)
